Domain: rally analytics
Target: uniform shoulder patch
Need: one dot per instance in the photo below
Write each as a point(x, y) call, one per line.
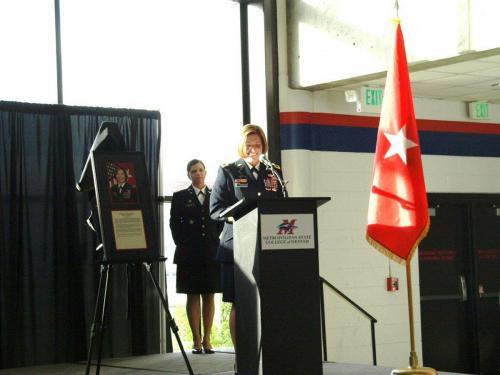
point(227, 165)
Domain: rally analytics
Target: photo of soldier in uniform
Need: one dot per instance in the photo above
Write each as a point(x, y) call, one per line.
point(122, 184)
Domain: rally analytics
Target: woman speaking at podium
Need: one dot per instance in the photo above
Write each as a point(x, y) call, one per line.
point(251, 176)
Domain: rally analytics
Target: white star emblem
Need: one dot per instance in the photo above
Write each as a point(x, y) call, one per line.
point(399, 144)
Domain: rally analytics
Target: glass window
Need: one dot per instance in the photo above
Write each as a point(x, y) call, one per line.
point(179, 57)
point(28, 63)
point(112, 52)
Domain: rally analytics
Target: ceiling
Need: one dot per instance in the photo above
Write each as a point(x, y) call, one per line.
point(332, 45)
point(476, 79)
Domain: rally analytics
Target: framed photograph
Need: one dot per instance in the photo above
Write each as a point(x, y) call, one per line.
point(126, 212)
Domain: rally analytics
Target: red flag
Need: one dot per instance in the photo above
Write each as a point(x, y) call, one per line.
point(397, 211)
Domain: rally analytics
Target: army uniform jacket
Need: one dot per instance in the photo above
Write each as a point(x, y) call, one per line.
point(196, 236)
point(235, 181)
point(127, 193)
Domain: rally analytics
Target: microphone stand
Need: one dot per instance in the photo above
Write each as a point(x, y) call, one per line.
point(269, 167)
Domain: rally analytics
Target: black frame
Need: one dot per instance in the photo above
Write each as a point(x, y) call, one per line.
point(140, 204)
point(271, 71)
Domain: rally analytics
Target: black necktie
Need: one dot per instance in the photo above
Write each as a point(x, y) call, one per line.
point(201, 197)
point(255, 173)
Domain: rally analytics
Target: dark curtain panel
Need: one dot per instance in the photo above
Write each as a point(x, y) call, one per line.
point(48, 263)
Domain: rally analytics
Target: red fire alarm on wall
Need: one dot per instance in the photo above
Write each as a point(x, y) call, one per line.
point(392, 284)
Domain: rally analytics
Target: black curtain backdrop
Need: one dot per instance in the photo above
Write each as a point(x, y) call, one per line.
point(48, 263)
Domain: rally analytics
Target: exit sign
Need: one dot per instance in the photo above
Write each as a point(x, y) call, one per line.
point(370, 99)
point(479, 110)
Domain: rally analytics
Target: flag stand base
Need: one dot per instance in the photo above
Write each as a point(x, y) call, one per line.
point(414, 368)
point(414, 371)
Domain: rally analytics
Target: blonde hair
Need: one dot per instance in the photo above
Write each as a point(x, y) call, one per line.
point(245, 132)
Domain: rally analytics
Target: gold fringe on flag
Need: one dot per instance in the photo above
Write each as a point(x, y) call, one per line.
point(388, 253)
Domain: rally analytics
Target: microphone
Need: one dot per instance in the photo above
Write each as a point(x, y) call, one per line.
point(270, 167)
point(266, 162)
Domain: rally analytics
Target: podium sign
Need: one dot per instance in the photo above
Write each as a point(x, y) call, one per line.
point(284, 232)
point(277, 286)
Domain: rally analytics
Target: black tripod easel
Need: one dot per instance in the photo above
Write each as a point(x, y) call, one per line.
point(100, 314)
point(119, 213)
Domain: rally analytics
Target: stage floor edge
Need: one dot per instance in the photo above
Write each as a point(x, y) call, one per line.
point(220, 363)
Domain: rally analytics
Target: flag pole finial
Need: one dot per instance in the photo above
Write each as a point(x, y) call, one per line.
point(396, 11)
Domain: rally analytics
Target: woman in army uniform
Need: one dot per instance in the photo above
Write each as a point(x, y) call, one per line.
point(196, 237)
point(122, 191)
point(245, 178)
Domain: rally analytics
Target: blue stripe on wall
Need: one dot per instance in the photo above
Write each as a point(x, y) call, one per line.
point(328, 138)
point(358, 139)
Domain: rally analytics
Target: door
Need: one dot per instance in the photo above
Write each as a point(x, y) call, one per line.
point(459, 265)
point(487, 286)
point(446, 309)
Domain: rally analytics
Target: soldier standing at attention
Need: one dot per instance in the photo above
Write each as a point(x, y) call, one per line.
point(196, 237)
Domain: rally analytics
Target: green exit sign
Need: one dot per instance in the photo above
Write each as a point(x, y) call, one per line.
point(479, 110)
point(370, 99)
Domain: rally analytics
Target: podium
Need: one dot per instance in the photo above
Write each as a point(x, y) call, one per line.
point(276, 269)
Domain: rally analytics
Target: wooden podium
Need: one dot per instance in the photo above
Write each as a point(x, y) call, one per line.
point(277, 286)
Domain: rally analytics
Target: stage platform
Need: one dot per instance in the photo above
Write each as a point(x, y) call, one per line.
point(220, 363)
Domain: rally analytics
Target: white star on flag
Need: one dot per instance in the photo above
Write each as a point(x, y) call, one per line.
point(399, 144)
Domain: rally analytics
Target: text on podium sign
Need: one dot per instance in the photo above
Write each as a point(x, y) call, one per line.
point(287, 231)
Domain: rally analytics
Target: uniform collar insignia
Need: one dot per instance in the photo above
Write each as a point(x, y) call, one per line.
point(192, 191)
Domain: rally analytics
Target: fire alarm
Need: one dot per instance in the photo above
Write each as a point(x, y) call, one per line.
point(392, 284)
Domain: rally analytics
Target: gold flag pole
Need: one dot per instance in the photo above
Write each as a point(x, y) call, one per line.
point(414, 368)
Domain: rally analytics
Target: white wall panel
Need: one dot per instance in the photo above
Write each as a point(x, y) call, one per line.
point(346, 259)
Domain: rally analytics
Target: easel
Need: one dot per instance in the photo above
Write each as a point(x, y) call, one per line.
point(107, 150)
point(100, 314)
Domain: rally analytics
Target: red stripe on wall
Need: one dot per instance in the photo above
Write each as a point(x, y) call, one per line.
point(458, 126)
point(331, 119)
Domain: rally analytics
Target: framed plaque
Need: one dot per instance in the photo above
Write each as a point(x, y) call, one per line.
point(125, 205)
